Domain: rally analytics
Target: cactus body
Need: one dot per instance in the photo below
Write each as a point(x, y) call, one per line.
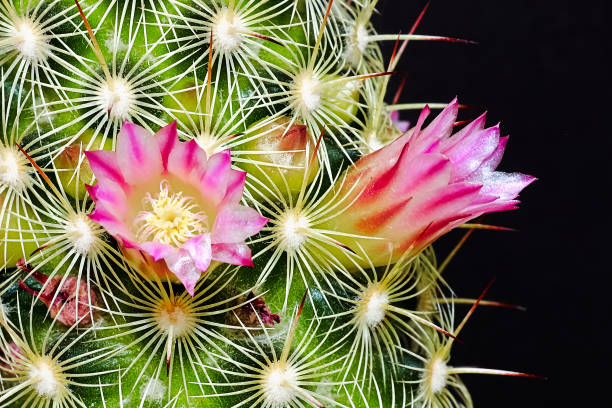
point(109, 296)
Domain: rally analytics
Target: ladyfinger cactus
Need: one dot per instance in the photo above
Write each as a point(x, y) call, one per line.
point(207, 203)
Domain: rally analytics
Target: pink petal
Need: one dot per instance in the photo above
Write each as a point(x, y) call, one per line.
point(468, 154)
point(441, 227)
point(440, 128)
point(104, 166)
point(109, 197)
point(92, 191)
point(110, 223)
point(235, 187)
point(490, 163)
point(213, 184)
point(128, 243)
point(138, 154)
point(235, 254)
point(430, 208)
point(181, 264)
point(447, 201)
point(200, 251)
point(474, 126)
point(236, 223)
point(505, 185)
point(167, 138)
point(408, 178)
point(384, 158)
point(187, 160)
point(157, 250)
point(499, 206)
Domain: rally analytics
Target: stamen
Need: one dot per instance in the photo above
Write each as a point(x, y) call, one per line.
point(171, 219)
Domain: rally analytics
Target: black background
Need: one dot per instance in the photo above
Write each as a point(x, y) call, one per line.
point(538, 68)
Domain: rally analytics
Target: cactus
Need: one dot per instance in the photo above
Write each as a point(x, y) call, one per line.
point(209, 203)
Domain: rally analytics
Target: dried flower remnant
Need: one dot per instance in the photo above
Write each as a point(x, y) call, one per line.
point(70, 300)
point(255, 313)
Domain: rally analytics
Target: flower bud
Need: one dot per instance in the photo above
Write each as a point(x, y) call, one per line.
point(16, 242)
point(422, 185)
point(278, 152)
point(72, 168)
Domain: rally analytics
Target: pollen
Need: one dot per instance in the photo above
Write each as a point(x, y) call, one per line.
point(280, 385)
point(373, 306)
point(116, 97)
point(28, 39)
point(14, 170)
point(227, 30)
point(170, 218)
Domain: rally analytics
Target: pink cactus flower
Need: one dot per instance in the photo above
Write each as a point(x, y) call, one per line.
point(425, 183)
point(170, 206)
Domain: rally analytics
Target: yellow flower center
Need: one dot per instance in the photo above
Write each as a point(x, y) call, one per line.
point(170, 218)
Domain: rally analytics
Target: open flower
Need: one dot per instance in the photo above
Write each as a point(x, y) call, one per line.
point(170, 206)
point(423, 184)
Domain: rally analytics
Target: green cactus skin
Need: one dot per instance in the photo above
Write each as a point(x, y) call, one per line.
point(378, 337)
